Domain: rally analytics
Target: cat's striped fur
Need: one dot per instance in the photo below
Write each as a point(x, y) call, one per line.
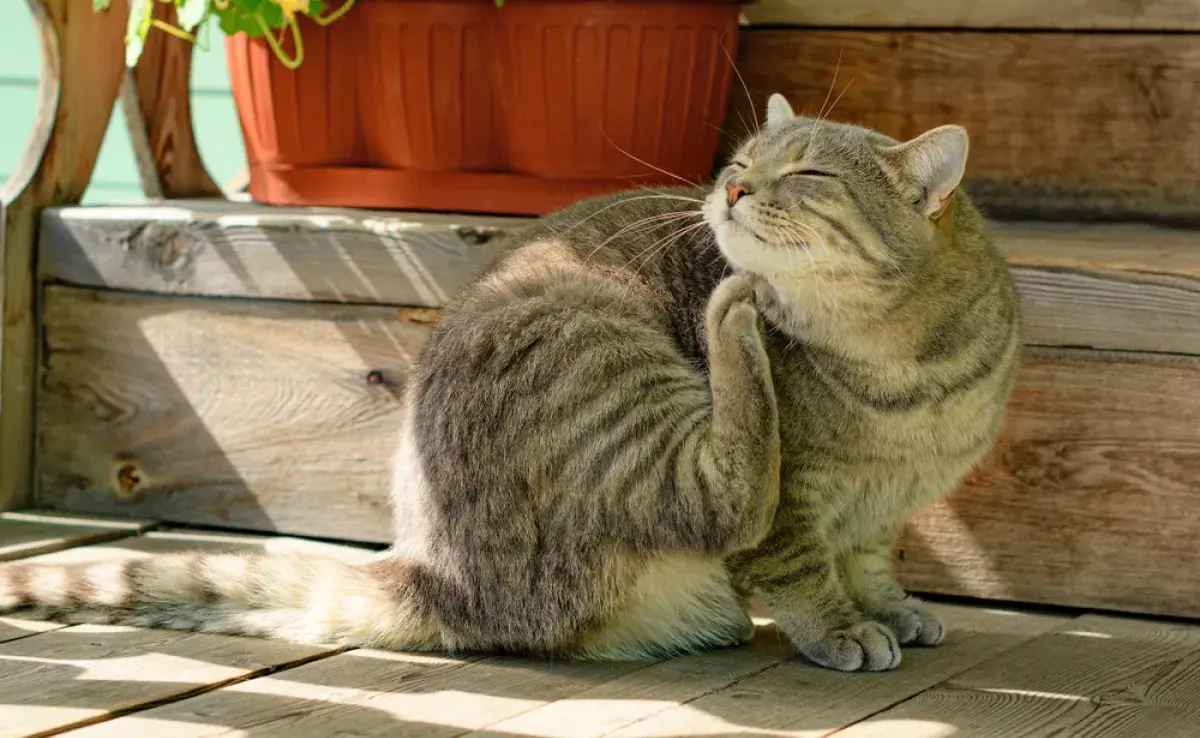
point(606, 449)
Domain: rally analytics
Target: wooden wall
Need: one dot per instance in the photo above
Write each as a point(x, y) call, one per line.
point(241, 366)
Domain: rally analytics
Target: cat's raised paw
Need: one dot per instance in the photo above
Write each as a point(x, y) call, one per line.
point(865, 646)
point(914, 623)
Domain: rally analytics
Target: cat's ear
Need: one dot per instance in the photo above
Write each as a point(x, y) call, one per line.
point(778, 111)
point(934, 162)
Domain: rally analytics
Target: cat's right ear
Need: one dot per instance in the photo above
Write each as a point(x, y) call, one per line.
point(779, 111)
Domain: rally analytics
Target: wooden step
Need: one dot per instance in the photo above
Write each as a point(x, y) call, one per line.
point(1064, 125)
point(274, 407)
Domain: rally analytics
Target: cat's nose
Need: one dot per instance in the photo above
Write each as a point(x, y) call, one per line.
point(735, 192)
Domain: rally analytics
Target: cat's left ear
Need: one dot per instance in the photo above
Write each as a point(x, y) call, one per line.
point(779, 111)
point(934, 162)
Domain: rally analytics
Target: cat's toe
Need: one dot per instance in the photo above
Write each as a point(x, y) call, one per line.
point(865, 646)
point(914, 624)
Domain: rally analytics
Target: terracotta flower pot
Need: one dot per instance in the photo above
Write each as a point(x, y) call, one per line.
point(459, 105)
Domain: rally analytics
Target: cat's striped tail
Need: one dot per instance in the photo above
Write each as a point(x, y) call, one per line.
point(299, 597)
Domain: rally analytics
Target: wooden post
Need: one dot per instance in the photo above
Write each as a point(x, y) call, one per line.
point(159, 112)
point(82, 64)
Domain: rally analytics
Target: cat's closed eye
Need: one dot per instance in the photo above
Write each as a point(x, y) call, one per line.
point(809, 173)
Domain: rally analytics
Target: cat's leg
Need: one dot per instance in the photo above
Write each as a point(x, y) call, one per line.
point(795, 571)
point(678, 604)
point(870, 579)
point(715, 486)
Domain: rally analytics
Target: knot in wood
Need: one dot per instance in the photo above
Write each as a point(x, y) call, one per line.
point(128, 477)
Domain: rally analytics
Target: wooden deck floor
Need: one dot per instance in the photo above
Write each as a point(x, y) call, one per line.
point(1002, 673)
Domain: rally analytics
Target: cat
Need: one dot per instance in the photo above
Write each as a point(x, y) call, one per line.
point(651, 407)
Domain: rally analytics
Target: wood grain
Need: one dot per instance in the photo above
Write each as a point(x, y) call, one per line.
point(12, 629)
point(374, 693)
point(231, 249)
point(1116, 15)
point(647, 692)
point(1089, 497)
point(81, 73)
point(1063, 126)
point(265, 416)
point(796, 699)
point(1128, 287)
point(24, 534)
point(1094, 676)
point(78, 675)
point(1122, 287)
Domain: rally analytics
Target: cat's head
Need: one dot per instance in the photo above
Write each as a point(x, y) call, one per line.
point(807, 203)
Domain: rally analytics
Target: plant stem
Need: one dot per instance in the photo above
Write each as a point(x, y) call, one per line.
point(280, 54)
point(176, 32)
point(326, 20)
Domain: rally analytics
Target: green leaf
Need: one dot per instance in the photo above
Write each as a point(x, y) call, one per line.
point(315, 8)
point(140, 13)
point(272, 14)
point(101, 5)
point(191, 13)
point(250, 6)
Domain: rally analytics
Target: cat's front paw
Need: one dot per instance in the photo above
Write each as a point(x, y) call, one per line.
point(865, 646)
point(913, 622)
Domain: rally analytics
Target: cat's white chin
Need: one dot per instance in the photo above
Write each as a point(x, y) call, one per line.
point(746, 251)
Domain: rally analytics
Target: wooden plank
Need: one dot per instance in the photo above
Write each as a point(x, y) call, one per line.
point(1114, 136)
point(12, 629)
point(373, 693)
point(1124, 287)
point(1096, 676)
point(156, 542)
point(263, 416)
point(81, 73)
point(1017, 14)
point(1089, 499)
point(242, 250)
point(796, 699)
point(647, 692)
point(78, 675)
point(24, 534)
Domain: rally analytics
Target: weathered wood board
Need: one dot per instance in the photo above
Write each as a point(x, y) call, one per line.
point(267, 416)
point(1114, 15)
point(1119, 287)
point(1095, 676)
point(1065, 126)
point(30, 533)
point(1089, 498)
point(751, 690)
point(78, 675)
point(218, 248)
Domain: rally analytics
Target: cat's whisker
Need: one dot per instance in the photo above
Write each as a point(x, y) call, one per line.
point(745, 88)
point(681, 198)
point(648, 223)
point(832, 84)
point(643, 162)
point(670, 239)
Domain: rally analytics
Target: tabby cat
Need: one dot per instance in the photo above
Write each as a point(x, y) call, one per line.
point(652, 406)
